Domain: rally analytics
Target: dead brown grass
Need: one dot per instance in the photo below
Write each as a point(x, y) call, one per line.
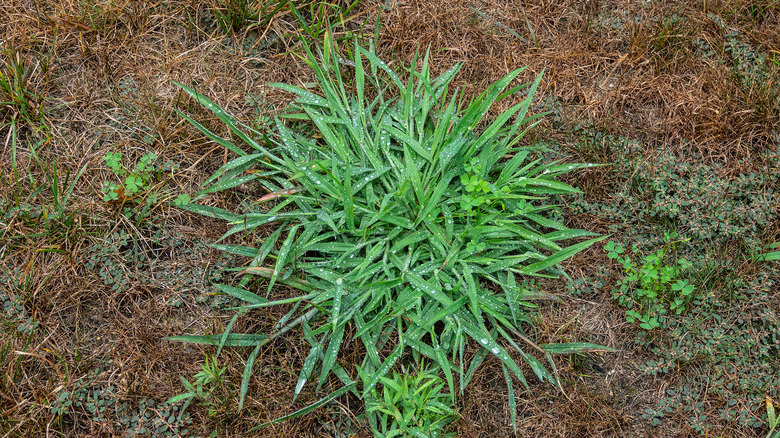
point(104, 69)
point(615, 66)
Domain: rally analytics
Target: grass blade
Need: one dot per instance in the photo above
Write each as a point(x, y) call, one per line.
point(321, 402)
point(232, 340)
point(560, 256)
point(250, 363)
point(574, 347)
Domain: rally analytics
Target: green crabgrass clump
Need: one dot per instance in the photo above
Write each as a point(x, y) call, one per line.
point(403, 226)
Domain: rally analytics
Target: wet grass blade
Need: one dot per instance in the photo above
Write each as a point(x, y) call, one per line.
point(574, 347)
point(307, 368)
point(241, 294)
point(281, 259)
point(321, 402)
point(250, 363)
point(232, 340)
point(510, 387)
point(560, 256)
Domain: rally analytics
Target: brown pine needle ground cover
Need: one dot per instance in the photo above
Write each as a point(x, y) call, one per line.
point(681, 99)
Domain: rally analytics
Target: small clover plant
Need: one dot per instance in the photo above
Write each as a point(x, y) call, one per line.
point(650, 289)
point(182, 199)
point(478, 192)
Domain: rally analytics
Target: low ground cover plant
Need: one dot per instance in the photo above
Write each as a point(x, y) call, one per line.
point(720, 351)
point(401, 226)
point(651, 288)
point(136, 189)
point(132, 181)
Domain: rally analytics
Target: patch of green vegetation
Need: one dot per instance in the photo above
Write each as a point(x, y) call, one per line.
point(670, 37)
point(38, 203)
point(136, 185)
point(18, 101)
point(14, 288)
point(727, 352)
point(662, 193)
point(236, 16)
point(411, 405)
point(89, 401)
point(209, 389)
point(163, 260)
point(723, 347)
point(651, 289)
point(585, 286)
point(377, 229)
point(133, 181)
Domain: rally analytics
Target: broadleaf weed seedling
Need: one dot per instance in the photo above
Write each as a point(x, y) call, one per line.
point(475, 187)
point(134, 181)
point(137, 182)
point(651, 289)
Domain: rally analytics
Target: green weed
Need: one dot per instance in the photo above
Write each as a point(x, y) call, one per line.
point(41, 208)
point(725, 354)
point(234, 15)
point(207, 380)
point(721, 352)
point(18, 102)
point(651, 289)
point(133, 181)
point(136, 184)
point(585, 286)
point(411, 405)
point(315, 17)
point(371, 228)
point(101, 405)
point(768, 256)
